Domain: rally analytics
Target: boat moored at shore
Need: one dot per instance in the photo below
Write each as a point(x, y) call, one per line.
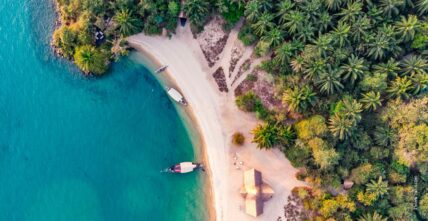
point(185, 167)
point(175, 95)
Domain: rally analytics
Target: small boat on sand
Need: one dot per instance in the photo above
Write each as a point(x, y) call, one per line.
point(175, 95)
point(161, 69)
point(185, 167)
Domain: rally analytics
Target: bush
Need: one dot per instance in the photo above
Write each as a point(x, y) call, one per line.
point(246, 35)
point(247, 102)
point(238, 139)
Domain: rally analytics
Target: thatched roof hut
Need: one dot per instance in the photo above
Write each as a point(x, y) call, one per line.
point(255, 192)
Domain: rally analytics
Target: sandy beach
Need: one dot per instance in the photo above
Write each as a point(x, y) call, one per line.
point(217, 118)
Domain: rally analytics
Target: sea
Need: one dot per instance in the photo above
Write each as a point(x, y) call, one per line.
point(76, 148)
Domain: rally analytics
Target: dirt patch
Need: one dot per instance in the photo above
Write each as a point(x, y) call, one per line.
point(212, 40)
point(244, 67)
point(237, 52)
point(258, 83)
point(220, 79)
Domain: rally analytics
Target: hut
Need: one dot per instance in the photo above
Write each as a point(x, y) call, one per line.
point(255, 192)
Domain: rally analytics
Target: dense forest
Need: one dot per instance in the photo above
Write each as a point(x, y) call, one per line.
point(351, 74)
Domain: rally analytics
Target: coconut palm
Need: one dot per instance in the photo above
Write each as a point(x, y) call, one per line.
point(384, 135)
point(378, 188)
point(351, 109)
point(371, 100)
point(329, 81)
point(378, 46)
point(284, 53)
point(422, 6)
point(413, 64)
point(354, 69)
point(263, 24)
point(299, 99)
point(341, 127)
point(197, 11)
point(252, 10)
point(314, 69)
point(297, 64)
point(391, 67)
point(360, 28)
point(420, 83)
point(341, 33)
point(274, 37)
point(323, 44)
point(324, 21)
point(391, 7)
point(90, 60)
point(351, 12)
point(266, 136)
point(372, 217)
point(293, 21)
point(284, 8)
point(407, 27)
point(306, 33)
point(400, 87)
point(127, 23)
point(334, 4)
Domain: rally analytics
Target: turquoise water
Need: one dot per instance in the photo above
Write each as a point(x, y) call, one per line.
point(73, 148)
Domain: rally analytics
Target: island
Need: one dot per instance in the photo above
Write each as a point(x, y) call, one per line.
point(326, 98)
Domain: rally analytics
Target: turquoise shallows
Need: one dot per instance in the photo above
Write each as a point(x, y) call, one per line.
point(77, 149)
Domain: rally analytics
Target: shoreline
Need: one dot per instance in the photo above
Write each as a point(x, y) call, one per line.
point(187, 114)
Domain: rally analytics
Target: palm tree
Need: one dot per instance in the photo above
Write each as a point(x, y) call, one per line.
point(420, 83)
point(274, 37)
point(414, 64)
point(293, 21)
point(340, 33)
point(265, 136)
point(263, 24)
point(341, 127)
point(351, 109)
point(371, 100)
point(372, 217)
point(90, 60)
point(252, 10)
point(378, 188)
point(360, 28)
point(284, 53)
point(407, 27)
point(286, 135)
point(354, 69)
point(324, 20)
point(422, 6)
point(391, 7)
point(197, 11)
point(314, 69)
point(400, 87)
point(323, 44)
point(333, 4)
point(127, 23)
point(329, 82)
point(299, 99)
point(384, 136)
point(391, 67)
point(351, 12)
point(378, 46)
point(297, 63)
point(284, 8)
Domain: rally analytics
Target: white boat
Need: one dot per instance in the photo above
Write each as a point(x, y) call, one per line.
point(184, 167)
point(175, 95)
point(161, 69)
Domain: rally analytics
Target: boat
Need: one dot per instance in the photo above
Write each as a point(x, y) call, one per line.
point(161, 69)
point(185, 167)
point(175, 95)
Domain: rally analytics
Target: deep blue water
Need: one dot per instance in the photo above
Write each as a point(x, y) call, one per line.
point(73, 148)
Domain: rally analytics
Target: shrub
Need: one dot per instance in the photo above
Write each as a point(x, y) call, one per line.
point(238, 139)
point(246, 35)
point(247, 102)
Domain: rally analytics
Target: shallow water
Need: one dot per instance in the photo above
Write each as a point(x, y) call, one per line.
point(73, 148)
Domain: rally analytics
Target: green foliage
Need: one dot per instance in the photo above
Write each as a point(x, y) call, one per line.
point(91, 60)
point(423, 206)
point(269, 135)
point(299, 99)
point(247, 102)
point(197, 11)
point(310, 128)
point(362, 174)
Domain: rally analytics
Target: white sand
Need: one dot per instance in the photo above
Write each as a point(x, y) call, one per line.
point(218, 118)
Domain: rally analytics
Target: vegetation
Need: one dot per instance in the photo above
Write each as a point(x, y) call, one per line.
point(238, 139)
point(80, 20)
point(352, 76)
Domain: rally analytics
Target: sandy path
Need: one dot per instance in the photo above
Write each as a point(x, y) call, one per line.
point(217, 118)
